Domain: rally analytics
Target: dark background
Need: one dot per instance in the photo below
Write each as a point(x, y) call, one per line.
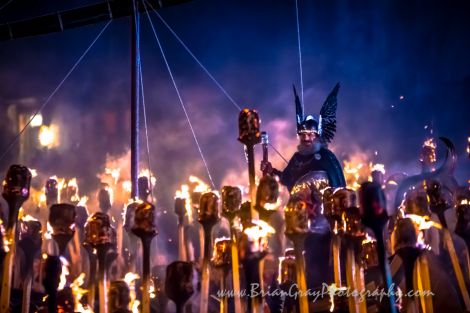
point(378, 50)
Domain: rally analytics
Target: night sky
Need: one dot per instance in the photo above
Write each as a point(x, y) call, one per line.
point(402, 65)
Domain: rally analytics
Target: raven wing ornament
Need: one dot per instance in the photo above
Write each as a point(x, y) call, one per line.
point(327, 118)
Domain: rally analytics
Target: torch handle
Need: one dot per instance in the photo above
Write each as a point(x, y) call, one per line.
point(336, 247)
point(181, 243)
point(456, 265)
point(351, 269)
point(300, 273)
point(7, 269)
point(223, 307)
point(146, 241)
point(361, 287)
point(265, 156)
point(251, 175)
point(235, 272)
point(385, 269)
point(205, 271)
point(421, 283)
point(92, 281)
point(102, 283)
point(26, 292)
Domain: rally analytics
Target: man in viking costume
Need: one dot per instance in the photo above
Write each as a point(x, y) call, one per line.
point(312, 153)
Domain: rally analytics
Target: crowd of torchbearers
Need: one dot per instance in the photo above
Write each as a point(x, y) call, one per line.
point(391, 245)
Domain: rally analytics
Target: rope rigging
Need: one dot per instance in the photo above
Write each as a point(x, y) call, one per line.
point(179, 96)
point(300, 53)
point(56, 89)
point(193, 56)
point(144, 112)
point(178, 38)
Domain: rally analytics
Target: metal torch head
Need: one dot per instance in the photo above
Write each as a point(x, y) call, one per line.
point(145, 224)
point(249, 127)
point(231, 201)
point(462, 199)
point(144, 188)
point(104, 200)
point(180, 209)
point(81, 216)
point(416, 202)
point(405, 234)
point(267, 192)
point(98, 230)
point(287, 271)
point(208, 213)
point(440, 199)
point(346, 202)
point(119, 296)
point(369, 257)
point(372, 205)
point(296, 216)
point(62, 219)
point(179, 281)
point(16, 184)
point(222, 256)
point(32, 230)
point(129, 215)
point(51, 191)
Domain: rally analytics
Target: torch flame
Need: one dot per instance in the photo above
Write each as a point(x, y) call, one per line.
point(423, 222)
point(332, 289)
point(114, 173)
point(64, 273)
point(149, 175)
point(258, 234)
point(83, 201)
point(127, 185)
point(78, 293)
point(130, 278)
point(184, 194)
point(201, 186)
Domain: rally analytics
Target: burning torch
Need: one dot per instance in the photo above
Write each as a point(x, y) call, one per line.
point(146, 229)
point(179, 283)
point(296, 217)
point(180, 211)
point(374, 216)
point(439, 202)
point(249, 135)
point(264, 144)
point(99, 236)
point(208, 216)
point(345, 201)
point(221, 260)
point(30, 242)
point(15, 192)
point(231, 201)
